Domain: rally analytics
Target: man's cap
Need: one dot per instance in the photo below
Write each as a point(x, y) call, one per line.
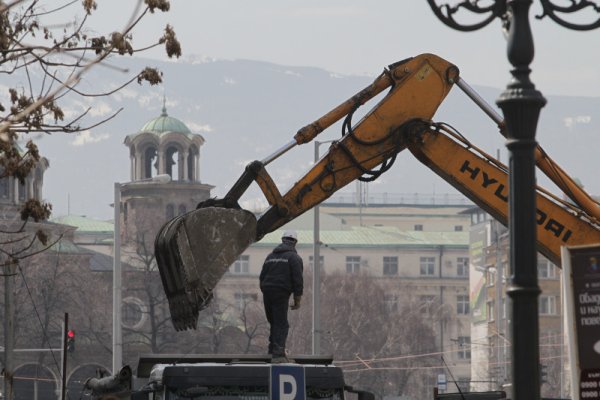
point(290, 234)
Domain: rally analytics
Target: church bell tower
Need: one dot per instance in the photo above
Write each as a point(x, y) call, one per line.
point(165, 175)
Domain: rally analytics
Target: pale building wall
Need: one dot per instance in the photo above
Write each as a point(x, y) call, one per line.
point(430, 218)
point(446, 285)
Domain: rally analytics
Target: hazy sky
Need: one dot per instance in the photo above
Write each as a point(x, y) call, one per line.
point(358, 37)
point(362, 37)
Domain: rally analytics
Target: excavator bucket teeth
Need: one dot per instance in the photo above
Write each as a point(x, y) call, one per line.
point(193, 251)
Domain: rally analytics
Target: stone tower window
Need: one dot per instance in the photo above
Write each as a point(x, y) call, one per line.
point(150, 162)
point(175, 163)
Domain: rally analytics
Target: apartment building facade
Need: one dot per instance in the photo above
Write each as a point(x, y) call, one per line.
point(490, 331)
point(418, 254)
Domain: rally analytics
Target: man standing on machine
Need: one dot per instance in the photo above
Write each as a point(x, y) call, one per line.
point(281, 276)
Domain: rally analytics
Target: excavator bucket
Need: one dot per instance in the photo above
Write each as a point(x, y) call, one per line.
point(193, 251)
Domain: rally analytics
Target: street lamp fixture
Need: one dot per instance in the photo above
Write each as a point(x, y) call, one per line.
point(117, 336)
point(448, 13)
point(521, 104)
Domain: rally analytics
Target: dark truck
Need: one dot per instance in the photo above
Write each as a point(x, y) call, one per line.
point(225, 377)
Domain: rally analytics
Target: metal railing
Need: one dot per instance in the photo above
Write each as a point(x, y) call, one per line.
point(446, 199)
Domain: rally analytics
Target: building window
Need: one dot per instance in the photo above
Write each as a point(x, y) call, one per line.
point(321, 261)
point(243, 299)
point(464, 347)
point(492, 345)
point(241, 265)
point(125, 212)
point(546, 269)
point(506, 270)
point(352, 264)
point(22, 191)
point(458, 228)
point(547, 305)
point(390, 265)
point(390, 302)
point(491, 311)
point(427, 266)
point(462, 304)
point(462, 267)
point(182, 209)
point(133, 312)
point(418, 227)
point(426, 302)
point(490, 276)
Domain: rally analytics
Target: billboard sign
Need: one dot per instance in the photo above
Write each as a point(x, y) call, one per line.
point(581, 269)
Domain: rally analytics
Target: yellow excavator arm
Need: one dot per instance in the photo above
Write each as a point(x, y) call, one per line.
point(417, 88)
point(484, 180)
point(194, 250)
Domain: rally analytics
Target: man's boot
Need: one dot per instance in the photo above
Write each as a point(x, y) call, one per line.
point(279, 355)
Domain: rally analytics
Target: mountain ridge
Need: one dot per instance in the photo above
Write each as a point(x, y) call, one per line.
point(247, 109)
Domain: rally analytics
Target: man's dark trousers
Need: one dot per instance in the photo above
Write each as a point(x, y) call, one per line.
point(276, 303)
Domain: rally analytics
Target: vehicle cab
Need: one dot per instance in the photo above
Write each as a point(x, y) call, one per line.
point(238, 377)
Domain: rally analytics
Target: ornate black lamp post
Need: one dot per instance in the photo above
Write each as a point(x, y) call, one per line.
point(521, 104)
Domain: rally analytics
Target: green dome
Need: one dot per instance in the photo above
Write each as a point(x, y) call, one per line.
point(164, 124)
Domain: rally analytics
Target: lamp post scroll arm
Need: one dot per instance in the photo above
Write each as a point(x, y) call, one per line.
point(446, 13)
point(554, 12)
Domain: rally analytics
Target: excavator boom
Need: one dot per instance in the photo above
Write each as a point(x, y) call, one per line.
point(194, 250)
point(484, 180)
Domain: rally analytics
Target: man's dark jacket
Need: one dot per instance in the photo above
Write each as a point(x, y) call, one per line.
point(283, 270)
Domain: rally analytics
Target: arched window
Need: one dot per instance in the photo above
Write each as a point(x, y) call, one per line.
point(22, 191)
point(34, 381)
point(150, 163)
point(174, 167)
point(134, 313)
point(191, 162)
point(182, 209)
point(37, 184)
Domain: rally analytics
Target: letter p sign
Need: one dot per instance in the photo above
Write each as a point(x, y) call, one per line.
point(287, 383)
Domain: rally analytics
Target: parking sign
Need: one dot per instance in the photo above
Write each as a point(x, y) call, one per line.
point(442, 382)
point(287, 383)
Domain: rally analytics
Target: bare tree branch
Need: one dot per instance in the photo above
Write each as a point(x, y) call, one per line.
point(53, 59)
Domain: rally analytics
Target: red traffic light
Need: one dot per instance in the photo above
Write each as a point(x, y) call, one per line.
point(70, 340)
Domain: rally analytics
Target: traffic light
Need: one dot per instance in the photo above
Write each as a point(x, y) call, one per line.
point(70, 340)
